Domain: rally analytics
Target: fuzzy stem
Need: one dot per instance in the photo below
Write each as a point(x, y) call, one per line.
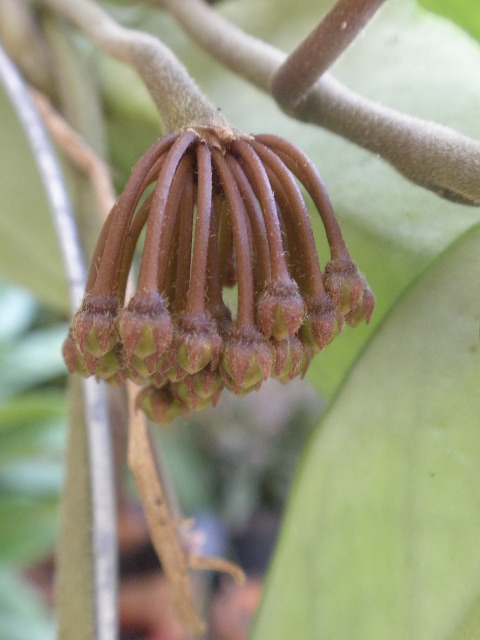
point(238, 216)
point(198, 278)
point(295, 77)
point(298, 209)
point(304, 252)
point(178, 100)
point(265, 196)
point(214, 286)
point(304, 169)
point(149, 268)
point(124, 210)
point(184, 250)
point(430, 155)
point(256, 219)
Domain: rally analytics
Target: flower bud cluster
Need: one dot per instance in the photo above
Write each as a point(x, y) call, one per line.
point(220, 209)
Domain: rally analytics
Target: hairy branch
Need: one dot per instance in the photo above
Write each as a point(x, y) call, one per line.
point(430, 155)
point(176, 96)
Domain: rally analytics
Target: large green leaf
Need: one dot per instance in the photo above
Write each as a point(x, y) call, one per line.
point(464, 12)
point(32, 360)
point(22, 614)
point(381, 536)
point(29, 253)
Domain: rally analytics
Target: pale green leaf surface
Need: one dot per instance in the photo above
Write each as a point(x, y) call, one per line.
point(464, 12)
point(381, 536)
point(17, 311)
point(29, 253)
point(28, 528)
point(22, 614)
point(32, 424)
point(33, 360)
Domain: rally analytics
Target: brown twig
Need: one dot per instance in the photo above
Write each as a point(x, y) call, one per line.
point(164, 529)
point(78, 151)
point(293, 80)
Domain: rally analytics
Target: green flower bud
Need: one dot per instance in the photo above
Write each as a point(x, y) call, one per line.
point(364, 309)
point(322, 324)
point(108, 365)
point(93, 326)
point(343, 284)
point(73, 358)
point(201, 389)
point(145, 327)
point(280, 309)
point(288, 356)
point(160, 405)
point(196, 342)
point(246, 360)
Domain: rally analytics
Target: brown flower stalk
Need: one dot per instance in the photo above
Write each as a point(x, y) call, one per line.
point(222, 202)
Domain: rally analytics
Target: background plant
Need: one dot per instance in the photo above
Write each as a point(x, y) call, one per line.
point(380, 536)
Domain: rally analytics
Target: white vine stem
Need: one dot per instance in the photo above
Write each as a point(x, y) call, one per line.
point(103, 527)
point(430, 155)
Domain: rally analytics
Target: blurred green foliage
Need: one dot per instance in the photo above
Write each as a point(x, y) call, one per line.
point(32, 427)
point(464, 12)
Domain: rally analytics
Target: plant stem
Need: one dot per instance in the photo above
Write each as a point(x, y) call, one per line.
point(430, 155)
point(292, 81)
point(178, 100)
point(98, 474)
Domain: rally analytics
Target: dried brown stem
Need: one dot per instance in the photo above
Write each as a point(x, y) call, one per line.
point(163, 528)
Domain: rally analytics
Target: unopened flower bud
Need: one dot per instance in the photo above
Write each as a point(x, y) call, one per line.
point(140, 369)
point(160, 405)
point(322, 324)
point(280, 309)
point(73, 358)
point(145, 327)
point(246, 360)
point(287, 358)
point(108, 365)
point(343, 283)
point(364, 309)
point(199, 390)
point(196, 342)
point(93, 326)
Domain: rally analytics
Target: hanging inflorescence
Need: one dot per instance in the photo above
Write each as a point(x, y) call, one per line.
point(225, 210)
